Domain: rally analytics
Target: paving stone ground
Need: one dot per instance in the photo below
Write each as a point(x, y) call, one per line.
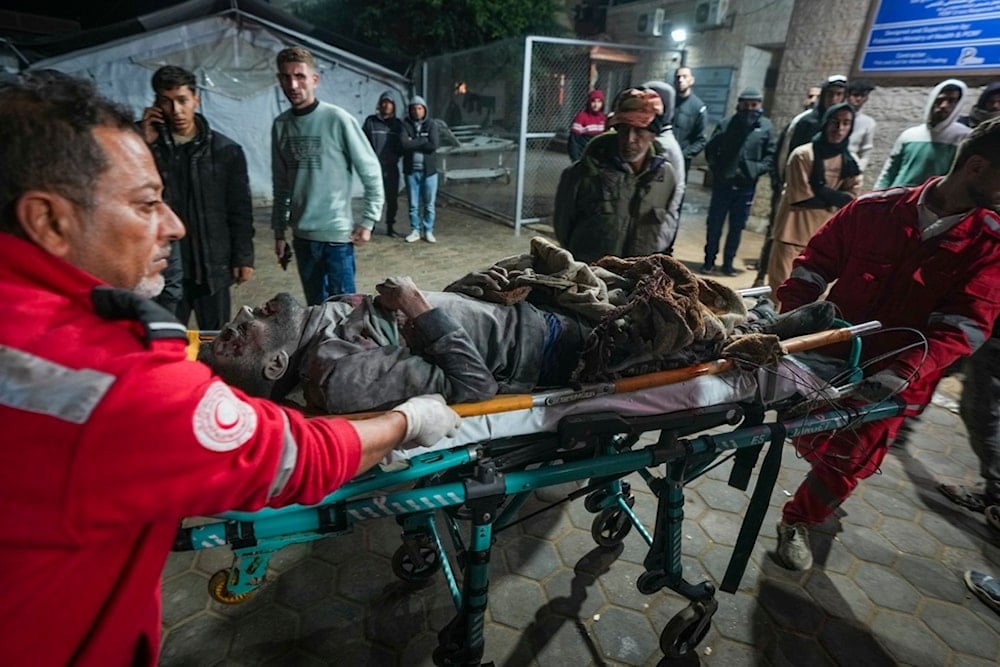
point(886, 588)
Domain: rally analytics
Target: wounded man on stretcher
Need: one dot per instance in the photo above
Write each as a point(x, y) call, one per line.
point(530, 321)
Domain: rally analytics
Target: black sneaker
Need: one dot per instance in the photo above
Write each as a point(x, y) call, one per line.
point(707, 269)
point(730, 271)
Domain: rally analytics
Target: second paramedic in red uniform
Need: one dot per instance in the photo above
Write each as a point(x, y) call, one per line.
point(924, 258)
point(111, 435)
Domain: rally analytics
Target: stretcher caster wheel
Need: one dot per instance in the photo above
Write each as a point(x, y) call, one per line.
point(218, 589)
point(592, 503)
point(610, 527)
point(415, 570)
point(686, 630)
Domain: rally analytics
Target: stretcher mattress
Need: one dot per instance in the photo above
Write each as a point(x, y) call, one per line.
point(763, 385)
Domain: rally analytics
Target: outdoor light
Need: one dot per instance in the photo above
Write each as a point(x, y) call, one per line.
point(679, 35)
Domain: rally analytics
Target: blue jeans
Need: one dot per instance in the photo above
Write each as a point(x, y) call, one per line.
point(421, 191)
point(736, 204)
point(326, 269)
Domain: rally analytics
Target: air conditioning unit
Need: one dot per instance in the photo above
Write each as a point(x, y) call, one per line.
point(708, 13)
point(651, 23)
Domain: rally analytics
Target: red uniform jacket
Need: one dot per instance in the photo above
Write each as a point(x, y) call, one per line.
point(948, 286)
point(108, 441)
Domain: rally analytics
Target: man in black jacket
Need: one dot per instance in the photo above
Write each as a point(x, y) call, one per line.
point(740, 151)
point(383, 130)
point(690, 117)
point(206, 183)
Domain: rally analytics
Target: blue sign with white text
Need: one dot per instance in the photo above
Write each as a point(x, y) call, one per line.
point(913, 36)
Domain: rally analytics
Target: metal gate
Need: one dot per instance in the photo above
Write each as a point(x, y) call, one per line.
point(504, 111)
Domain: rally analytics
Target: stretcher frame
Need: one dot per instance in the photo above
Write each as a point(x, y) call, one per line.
point(486, 483)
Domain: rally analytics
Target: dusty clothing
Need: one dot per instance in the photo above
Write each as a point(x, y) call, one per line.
point(670, 318)
point(603, 208)
point(111, 437)
point(797, 219)
point(465, 349)
point(648, 313)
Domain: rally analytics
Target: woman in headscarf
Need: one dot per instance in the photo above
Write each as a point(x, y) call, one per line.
point(820, 178)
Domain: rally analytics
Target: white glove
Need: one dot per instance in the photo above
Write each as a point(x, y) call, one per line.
point(881, 386)
point(428, 419)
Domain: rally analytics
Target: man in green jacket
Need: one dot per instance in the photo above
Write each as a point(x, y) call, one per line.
point(614, 200)
point(314, 148)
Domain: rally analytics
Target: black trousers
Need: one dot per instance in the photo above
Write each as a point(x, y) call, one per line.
point(390, 182)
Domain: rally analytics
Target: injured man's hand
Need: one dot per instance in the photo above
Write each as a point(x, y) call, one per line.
point(402, 294)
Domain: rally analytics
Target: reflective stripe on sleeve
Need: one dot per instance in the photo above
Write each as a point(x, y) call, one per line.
point(973, 334)
point(34, 384)
point(810, 277)
point(286, 464)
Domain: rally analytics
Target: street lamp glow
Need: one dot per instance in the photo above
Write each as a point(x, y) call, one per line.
point(679, 35)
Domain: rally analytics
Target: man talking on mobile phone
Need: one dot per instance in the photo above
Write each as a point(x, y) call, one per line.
point(205, 179)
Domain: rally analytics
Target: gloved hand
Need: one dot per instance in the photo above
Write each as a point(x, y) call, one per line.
point(428, 419)
point(881, 386)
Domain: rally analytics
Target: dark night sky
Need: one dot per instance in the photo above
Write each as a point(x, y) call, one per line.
point(89, 14)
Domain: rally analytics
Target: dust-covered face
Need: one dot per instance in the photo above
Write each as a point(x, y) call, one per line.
point(244, 346)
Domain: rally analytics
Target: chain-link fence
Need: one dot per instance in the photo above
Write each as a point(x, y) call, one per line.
point(505, 111)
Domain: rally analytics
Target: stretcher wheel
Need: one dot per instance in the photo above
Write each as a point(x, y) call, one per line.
point(218, 589)
point(686, 630)
point(412, 571)
point(610, 527)
point(592, 503)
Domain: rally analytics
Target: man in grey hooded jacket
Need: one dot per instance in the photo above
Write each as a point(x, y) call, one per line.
point(420, 142)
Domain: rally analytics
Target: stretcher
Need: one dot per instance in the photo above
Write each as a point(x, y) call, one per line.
point(509, 446)
point(469, 141)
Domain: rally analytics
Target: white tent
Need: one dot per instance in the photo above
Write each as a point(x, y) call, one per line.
point(232, 54)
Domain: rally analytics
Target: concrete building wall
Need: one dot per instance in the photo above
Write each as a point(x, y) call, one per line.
point(804, 41)
point(750, 40)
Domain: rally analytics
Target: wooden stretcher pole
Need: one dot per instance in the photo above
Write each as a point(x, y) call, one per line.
point(507, 402)
point(828, 337)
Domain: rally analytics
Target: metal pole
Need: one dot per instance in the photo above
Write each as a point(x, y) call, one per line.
point(522, 136)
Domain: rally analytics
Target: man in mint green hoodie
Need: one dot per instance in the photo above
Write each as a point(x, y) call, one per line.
point(928, 149)
point(315, 146)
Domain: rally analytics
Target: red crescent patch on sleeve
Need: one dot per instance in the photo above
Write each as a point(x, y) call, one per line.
point(221, 421)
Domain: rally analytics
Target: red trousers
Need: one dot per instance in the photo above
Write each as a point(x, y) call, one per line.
point(839, 461)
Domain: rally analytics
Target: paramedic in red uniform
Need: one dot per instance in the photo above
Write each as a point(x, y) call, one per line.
point(926, 258)
point(110, 435)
